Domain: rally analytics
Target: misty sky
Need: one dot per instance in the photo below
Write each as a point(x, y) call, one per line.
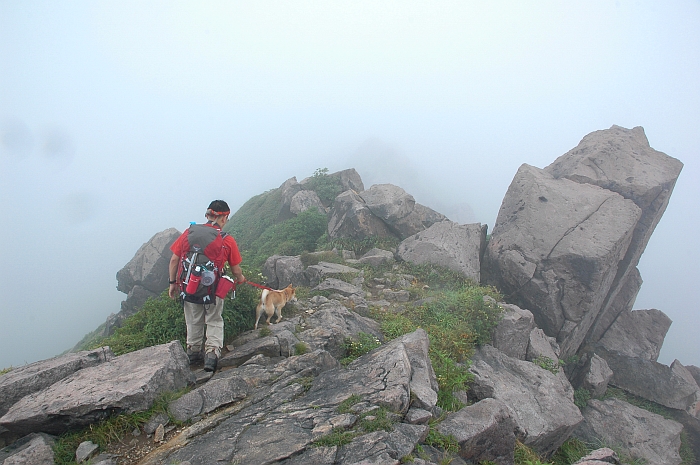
point(121, 119)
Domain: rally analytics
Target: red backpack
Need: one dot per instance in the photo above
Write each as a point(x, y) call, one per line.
point(199, 267)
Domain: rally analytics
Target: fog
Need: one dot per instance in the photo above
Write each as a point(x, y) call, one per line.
point(121, 119)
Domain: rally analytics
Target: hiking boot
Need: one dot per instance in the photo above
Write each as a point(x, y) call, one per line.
point(210, 361)
point(195, 357)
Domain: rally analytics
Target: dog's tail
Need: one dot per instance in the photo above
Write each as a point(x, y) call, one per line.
point(263, 297)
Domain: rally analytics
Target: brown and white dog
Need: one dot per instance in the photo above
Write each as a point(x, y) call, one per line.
point(272, 301)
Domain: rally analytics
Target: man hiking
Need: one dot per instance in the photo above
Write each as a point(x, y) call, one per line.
point(196, 268)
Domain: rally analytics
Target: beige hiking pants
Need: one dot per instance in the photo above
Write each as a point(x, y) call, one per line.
point(197, 316)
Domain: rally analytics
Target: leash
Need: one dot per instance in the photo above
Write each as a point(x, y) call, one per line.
point(259, 286)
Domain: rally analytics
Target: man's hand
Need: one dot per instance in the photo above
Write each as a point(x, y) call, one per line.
point(172, 291)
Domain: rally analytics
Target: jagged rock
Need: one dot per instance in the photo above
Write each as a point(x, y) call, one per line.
point(305, 200)
point(281, 271)
point(695, 372)
point(640, 433)
point(395, 207)
point(622, 161)
point(282, 422)
point(627, 291)
point(350, 217)
point(418, 416)
point(28, 379)
point(128, 383)
point(149, 267)
point(594, 376)
point(317, 273)
point(396, 296)
point(556, 247)
point(158, 419)
point(86, 450)
point(338, 286)
point(236, 384)
point(542, 402)
point(33, 449)
point(512, 334)
point(673, 386)
point(600, 457)
point(279, 344)
point(349, 179)
point(377, 257)
point(288, 189)
point(541, 346)
point(485, 431)
point(332, 324)
point(638, 333)
point(457, 247)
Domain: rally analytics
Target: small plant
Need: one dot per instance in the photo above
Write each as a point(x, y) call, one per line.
point(305, 382)
point(264, 331)
point(300, 348)
point(547, 364)
point(359, 347)
point(570, 452)
point(376, 420)
point(5, 370)
point(447, 443)
point(326, 187)
point(347, 404)
point(524, 455)
point(337, 437)
point(581, 397)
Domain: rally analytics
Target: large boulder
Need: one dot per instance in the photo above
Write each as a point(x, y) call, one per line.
point(145, 276)
point(594, 376)
point(283, 270)
point(350, 217)
point(638, 333)
point(397, 209)
point(485, 431)
point(641, 434)
point(316, 273)
point(149, 267)
point(512, 334)
point(621, 160)
point(28, 379)
point(671, 386)
point(128, 383)
point(306, 200)
point(451, 245)
point(33, 449)
point(556, 248)
point(542, 403)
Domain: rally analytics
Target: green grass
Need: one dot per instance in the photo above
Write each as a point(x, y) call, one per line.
point(355, 348)
point(113, 428)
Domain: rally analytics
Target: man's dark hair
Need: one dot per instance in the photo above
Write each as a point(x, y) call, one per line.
point(219, 206)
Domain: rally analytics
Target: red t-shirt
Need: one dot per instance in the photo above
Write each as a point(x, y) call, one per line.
point(231, 254)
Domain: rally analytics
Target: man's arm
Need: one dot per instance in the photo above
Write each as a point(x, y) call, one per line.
point(238, 273)
point(172, 275)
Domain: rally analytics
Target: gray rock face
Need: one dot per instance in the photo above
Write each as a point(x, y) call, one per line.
point(128, 383)
point(281, 271)
point(145, 276)
point(485, 431)
point(305, 200)
point(351, 217)
point(600, 457)
point(512, 335)
point(149, 267)
point(377, 257)
point(316, 273)
point(595, 376)
point(396, 208)
point(571, 252)
point(621, 160)
point(542, 403)
point(556, 246)
point(638, 333)
point(36, 376)
point(338, 286)
point(642, 434)
point(349, 179)
point(673, 386)
point(279, 424)
point(33, 449)
point(541, 346)
point(451, 245)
